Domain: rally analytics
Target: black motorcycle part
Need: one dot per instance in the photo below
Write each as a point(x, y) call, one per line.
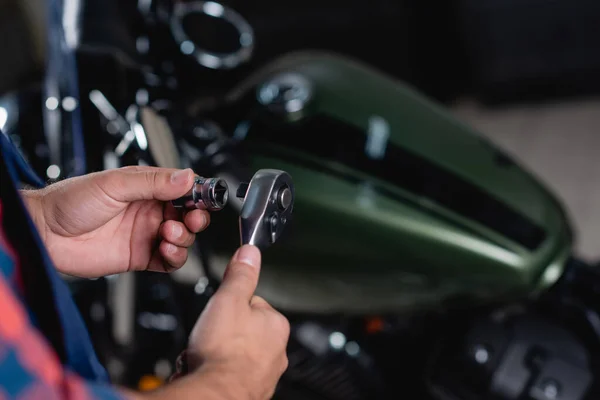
point(159, 326)
point(325, 364)
point(513, 357)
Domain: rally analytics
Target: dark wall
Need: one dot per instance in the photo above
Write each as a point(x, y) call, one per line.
point(499, 50)
point(531, 49)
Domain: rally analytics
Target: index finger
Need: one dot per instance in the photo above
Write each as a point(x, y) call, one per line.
point(242, 273)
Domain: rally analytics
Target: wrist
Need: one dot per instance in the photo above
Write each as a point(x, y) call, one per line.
point(219, 383)
point(220, 377)
point(202, 383)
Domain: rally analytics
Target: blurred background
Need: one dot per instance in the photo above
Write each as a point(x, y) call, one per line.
point(445, 243)
point(524, 73)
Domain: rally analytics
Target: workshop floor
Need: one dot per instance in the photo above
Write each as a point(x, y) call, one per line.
point(560, 143)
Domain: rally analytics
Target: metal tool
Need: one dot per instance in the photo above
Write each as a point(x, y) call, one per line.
point(268, 201)
point(268, 204)
point(209, 194)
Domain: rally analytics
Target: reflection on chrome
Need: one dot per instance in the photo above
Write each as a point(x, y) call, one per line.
point(377, 137)
point(140, 135)
point(144, 6)
point(9, 113)
point(352, 348)
point(53, 172)
point(366, 196)
point(187, 47)
point(337, 340)
point(142, 97)
point(69, 104)
point(3, 117)
point(142, 44)
point(52, 103)
point(70, 22)
point(214, 9)
point(286, 93)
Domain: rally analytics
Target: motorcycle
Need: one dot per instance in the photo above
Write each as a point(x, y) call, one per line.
point(416, 246)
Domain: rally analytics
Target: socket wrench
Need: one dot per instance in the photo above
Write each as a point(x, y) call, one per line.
point(268, 202)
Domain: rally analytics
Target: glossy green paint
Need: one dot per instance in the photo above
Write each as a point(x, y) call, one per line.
point(345, 230)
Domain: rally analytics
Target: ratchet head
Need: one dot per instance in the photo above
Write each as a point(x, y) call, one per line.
point(268, 205)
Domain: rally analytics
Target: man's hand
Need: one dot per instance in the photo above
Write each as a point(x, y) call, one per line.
point(116, 221)
point(237, 350)
point(240, 340)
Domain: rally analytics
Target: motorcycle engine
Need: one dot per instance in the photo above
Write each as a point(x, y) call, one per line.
point(542, 351)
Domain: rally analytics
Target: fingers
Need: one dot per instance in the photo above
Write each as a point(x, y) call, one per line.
point(168, 258)
point(258, 302)
point(283, 364)
point(241, 276)
point(277, 321)
point(170, 212)
point(197, 220)
point(173, 255)
point(145, 183)
point(175, 232)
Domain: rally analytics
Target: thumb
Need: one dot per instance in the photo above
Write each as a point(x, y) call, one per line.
point(242, 273)
point(145, 183)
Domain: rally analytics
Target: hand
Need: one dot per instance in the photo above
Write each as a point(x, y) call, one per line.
point(116, 221)
point(240, 339)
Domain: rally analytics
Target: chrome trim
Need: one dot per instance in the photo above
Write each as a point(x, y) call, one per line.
point(204, 57)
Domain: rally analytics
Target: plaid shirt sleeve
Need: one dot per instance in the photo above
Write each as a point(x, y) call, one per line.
point(29, 367)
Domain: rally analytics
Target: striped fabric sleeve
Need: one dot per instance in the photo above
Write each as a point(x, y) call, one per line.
point(29, 368)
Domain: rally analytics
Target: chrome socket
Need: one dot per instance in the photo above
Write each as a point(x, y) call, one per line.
point(209, 194)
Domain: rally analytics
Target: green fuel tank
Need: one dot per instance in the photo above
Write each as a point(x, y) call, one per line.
point(399, 206)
